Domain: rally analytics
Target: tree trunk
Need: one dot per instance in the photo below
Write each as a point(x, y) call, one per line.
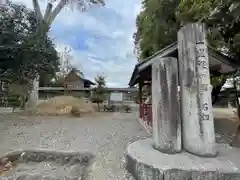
point(165, 106)
point(33, 95)
point(98, 106)
point(42, 30)
point(44, 25)
point(237, 97)
point(22, 99)
point(197, 118)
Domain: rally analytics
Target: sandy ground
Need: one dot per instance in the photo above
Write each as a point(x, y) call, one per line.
point(106, 136)
point(227, 113)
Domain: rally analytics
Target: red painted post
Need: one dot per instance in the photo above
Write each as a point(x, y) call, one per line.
point(140, 101)
point(141, 110)
point(148, 113)
point(145, 112)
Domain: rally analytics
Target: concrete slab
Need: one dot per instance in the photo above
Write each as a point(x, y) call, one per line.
point(146, 163)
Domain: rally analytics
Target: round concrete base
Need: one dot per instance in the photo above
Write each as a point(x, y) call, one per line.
point(146, 163)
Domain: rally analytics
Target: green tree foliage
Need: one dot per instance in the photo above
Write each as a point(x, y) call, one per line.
point(14, 101)
point(222, 18)
point(22, 55)
point(156, 26)
point(195, 10)
point(99, 92)
point(159, 21)
point(45, 20)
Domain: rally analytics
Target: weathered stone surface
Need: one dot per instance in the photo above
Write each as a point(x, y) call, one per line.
point(44, 165)
point(197, 118)
point(142, 171)
point(142, 159)
point(230, 176)
point(166, 124)
point(205, 175)
point(176, 174)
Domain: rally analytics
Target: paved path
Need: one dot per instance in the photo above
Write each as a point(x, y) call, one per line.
point(107, 137)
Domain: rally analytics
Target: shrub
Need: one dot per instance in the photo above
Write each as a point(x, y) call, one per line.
point(75, 111)
point(14, 100)
point(127, 108)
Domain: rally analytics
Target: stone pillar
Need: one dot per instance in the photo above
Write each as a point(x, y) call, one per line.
point(165, 106)
point(197, 118)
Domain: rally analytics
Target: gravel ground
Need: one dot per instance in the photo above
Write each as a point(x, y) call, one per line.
point(107, 137)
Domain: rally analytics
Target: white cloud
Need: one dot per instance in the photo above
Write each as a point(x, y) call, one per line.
point(114, 24)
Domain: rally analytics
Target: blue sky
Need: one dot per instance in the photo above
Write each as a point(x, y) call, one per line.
point(100, 39)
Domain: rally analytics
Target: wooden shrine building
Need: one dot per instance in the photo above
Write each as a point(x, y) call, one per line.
point(142, 73)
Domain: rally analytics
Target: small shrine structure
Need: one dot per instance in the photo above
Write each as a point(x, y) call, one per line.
point(219, 64)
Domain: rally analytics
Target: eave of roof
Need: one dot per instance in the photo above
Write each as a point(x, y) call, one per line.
point(83, 89)
point(159, 54)
point(171, 49)
point(88, 81)
point(136, 68)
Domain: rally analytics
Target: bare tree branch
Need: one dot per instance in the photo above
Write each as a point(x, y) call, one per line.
point(57, 10)
point(81, 4)
point(37, 9)
point(48, 13)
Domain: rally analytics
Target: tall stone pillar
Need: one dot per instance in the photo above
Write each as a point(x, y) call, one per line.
point(197, 118)
point(165, 106)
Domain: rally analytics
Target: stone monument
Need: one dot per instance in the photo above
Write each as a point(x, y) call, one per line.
point(183, 144)
point(197, 119)
point(166, 124)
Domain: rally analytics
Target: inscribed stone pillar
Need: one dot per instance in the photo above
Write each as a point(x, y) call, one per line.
point(165, 106)
point(197, 118)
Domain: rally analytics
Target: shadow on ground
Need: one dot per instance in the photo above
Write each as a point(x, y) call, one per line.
point(225, 129)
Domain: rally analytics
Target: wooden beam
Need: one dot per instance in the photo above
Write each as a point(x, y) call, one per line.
point(217, 67)
point(222, 58)
point(160, 54)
